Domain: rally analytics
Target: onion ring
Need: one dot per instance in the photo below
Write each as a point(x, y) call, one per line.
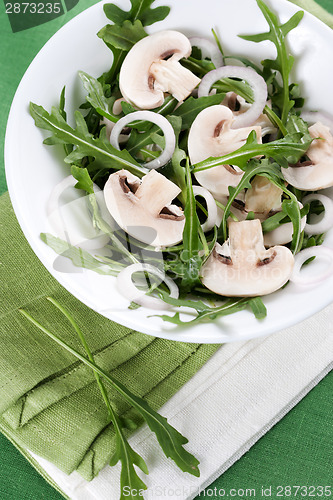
point(160, 121)
point(211, 207)
point(208, 48)
point(256, 82)
point(303, 256)
point(326, 222)
point(127, 288)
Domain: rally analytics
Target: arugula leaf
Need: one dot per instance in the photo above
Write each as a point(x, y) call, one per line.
point(128, 28)
point(287, 149)
point(123, 452)
point(83, 178)
point(86, 145)
point(292, 209)
point(191, 107)
point(122, 37)
point(191, 240)
point(283, 62)
point(67, 147)
point(140, 9)
point(205, 313)
point(96, 97)
point(258, 307)
point(280, 218)
point(128, 458)
point(170, 440)
point(79, 257)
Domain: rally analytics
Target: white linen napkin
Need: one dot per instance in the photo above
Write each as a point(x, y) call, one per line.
point(240, 393)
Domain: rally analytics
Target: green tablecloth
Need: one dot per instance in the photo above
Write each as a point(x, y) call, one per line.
point(297, 451)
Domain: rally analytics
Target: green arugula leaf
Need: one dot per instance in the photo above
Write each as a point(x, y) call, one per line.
point(191, 107)
point(284, 61)
point(191, 240)
point(67, 147)
point(122, 37)
point(83, 178)
point(123, 452)
point(258, 307)
point(140, 9)
point(86, 145)
point(81, 258)
point(205, 313)
point(128, 458)
point(170, 440)
point(96, 97)
point(282, 150)
point(292, 209)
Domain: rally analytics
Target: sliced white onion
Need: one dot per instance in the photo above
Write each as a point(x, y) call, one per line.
point(256, 82)
point(211, 207)
point(208, 48)
point(326, 219)
point(128, 289)
point(109, 125)
point(71, 220)
point(160, 121)
point(318, 116)
point(319, 252)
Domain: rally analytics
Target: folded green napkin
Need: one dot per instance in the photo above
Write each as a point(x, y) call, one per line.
point(50, 403)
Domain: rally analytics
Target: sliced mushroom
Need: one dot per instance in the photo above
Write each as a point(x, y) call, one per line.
point(152, 67)
point(242, 267)
point(317, 173)
point(211, 135)
point(143, 207)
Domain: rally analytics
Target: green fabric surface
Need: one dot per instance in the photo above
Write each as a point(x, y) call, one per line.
point(297, 449)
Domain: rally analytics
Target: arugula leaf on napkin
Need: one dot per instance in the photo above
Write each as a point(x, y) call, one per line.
point(170, 440)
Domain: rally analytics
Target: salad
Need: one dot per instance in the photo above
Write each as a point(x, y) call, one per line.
point(202, 175)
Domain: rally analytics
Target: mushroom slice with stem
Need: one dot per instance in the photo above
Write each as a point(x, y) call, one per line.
point(143, 208)
point(152, 67)
point(211, 135)
point(317, 173)
point(242, 267)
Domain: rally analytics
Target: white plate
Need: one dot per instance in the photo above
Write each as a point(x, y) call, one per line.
point(34, 169)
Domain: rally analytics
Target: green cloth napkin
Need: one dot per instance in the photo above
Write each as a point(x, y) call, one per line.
point(50, 403)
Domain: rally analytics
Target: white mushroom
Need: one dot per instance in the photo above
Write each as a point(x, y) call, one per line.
point(211, 135)
point(317, 173)
point(242, 267)
point(143, 207)
point(152, 67)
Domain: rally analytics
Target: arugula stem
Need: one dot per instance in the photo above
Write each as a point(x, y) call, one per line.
point(169, 438)
point(222, 207)
point(89, 353)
